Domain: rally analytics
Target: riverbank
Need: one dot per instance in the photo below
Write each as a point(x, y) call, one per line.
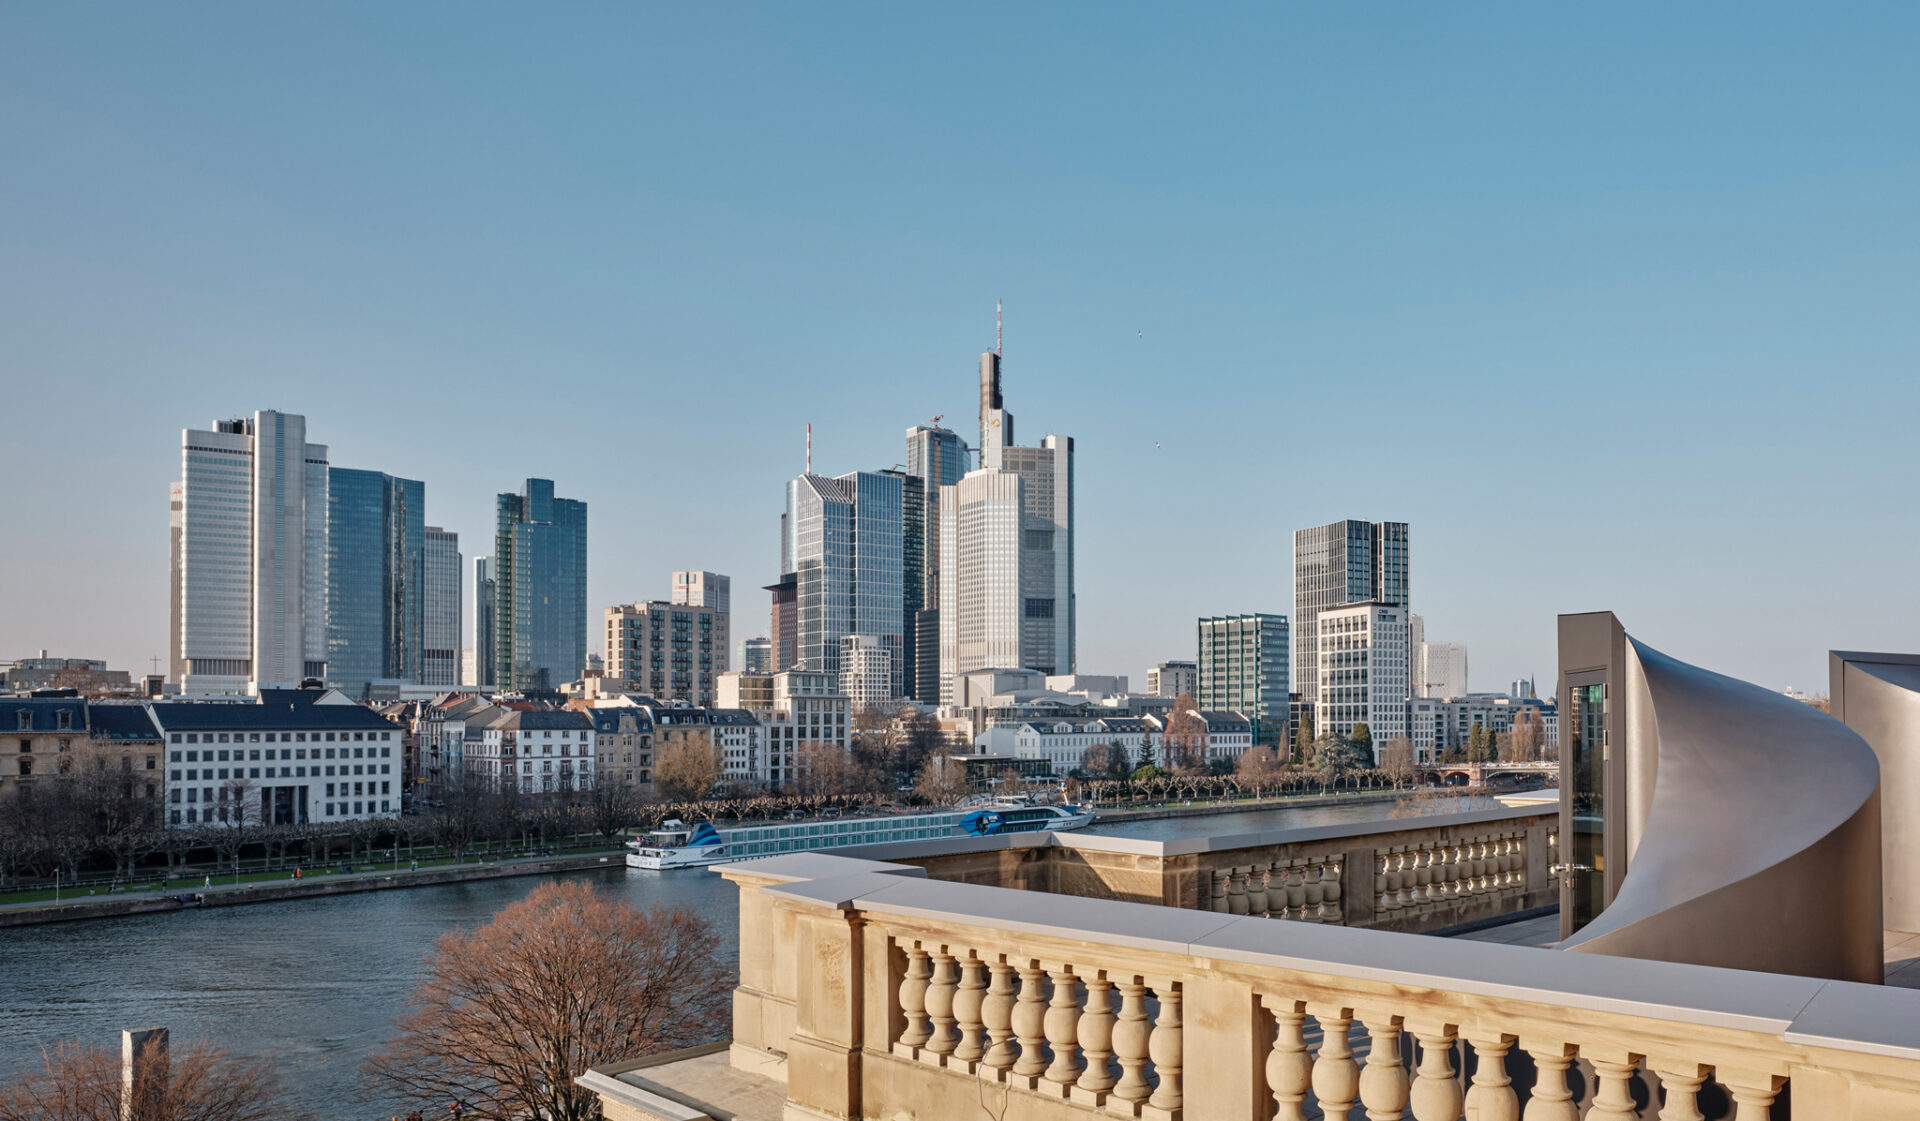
point(276, 891)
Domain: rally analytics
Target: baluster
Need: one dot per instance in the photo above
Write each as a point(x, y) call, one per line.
point(1217, 897)
point(1423, 877)
point(913, 997)
point(1491, 1097)
point(1552, 1099)
point(1030, 1021)
point(1336, 1078)
point(1062, 1027)
point(997, 1013)
point(1237, 891)
point(1446, 876)
point(1517, 861)
point(1130, 1042)
point(967, 1002)
point(1383, 1081)
point(1435, 1095)
point(1096, 1037)
point(1381, 892)
point(1681, 1082)
point(1257, 889)
point(1613, 1100)
point(939, 1002)
point(1752, 1091)
point(1409, 878)
point(1330, 892)
point(1296, 891)
point(1310, 894)
point(1166, 1047)
point(1289, 1067)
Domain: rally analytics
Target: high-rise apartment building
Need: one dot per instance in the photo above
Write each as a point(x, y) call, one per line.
point(1340, 563)
point(1361, 674)
point(485, 635)
point(1243, 668)
point(866, 670)
point(1170, 679)
point(710, 589)
point(756, 655)
point(440, 609)
point(376, 546)
point(1011, 539)
point(252, 570)
point(670, 651)
point(844, 544)
point(540, 574)
point(937, 457)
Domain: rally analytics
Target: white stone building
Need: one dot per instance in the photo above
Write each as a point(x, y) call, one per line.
point(793, 707)
point(296, 757)
point(866, 670)
point(1362, 671)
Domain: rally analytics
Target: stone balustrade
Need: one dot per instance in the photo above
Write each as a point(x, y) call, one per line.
point(881, 993)
point(1399, 874)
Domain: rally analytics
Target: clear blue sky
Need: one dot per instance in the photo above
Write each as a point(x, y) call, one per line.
point(1614, 304)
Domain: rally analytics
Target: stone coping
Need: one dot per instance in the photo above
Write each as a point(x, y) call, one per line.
point(1200, 843)
point(1833, 1014)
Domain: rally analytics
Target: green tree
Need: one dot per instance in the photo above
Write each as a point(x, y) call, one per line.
point(1478, 749)
point(1305, 737)
point(1361, 740)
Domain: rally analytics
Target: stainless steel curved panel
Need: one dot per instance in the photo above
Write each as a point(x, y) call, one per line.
point(1757, 843)
point(1878, 696)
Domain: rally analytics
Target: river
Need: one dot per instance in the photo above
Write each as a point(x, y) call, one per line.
point(317, 982)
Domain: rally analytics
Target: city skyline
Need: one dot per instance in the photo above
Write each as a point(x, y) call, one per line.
point(1675, 357)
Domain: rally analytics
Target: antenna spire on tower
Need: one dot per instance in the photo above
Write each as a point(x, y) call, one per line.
point(998, 350)
point(809, 447)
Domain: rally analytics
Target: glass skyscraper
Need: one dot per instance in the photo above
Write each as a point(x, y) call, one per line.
point(440, 609)
point(540, 591)
point(844, 541)
point(1340, 563)
point(376, 548)
point(1243, 669)
point(936, 458)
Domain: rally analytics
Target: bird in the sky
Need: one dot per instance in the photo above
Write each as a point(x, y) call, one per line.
point(1142, 334)
point(1156, 445)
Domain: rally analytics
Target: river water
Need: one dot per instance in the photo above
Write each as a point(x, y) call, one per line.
point(317, 982)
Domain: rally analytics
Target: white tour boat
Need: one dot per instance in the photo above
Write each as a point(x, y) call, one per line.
point(679, 845)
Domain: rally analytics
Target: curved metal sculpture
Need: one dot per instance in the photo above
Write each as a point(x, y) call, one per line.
point(1753, 830)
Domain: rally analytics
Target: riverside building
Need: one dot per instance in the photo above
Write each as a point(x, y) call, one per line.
point(1340, 563)
point(296, 757)
point(670, 651)
point(1362, 671)
point(1243, 668)
point(540, 597)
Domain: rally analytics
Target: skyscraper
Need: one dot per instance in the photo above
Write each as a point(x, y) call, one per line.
point(937, 457)
point(1243, 669)
point(376, 542)
point(1012, 540)
point(440, 609)
point(1339, 563)
point(176, 534)
point(485, 635)
point(710, 589)
point(913, 582)
point(252, 572)
point(540, 591)
point(844, 543)
point(1362, 671)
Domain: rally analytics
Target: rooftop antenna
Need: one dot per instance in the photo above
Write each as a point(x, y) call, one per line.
point(998, 351)
point(809, 447)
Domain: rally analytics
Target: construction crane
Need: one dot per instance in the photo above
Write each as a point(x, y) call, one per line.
point(934, 421)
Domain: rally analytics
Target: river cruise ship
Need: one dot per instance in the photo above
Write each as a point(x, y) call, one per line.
point(679, 845)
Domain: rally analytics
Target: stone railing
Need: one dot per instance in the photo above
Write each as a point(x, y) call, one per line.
point(879, 993)
point(1400, 874)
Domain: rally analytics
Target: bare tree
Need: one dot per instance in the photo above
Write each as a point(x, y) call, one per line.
point(823, 770)
point(941, 781)
point(1259, 768)
point(1096, 760)
point(1526, 740)
point(685, 765)
point(1396, 760)
point(1183, 748)
point(614, 808)
point(509, 1014)
point(80, 1082)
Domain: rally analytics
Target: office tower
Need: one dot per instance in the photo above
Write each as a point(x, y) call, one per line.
point(376, 543)
point(1440, 670)
point(785, 620)
point(844, 544)
point(1361, 674)
point(540, 574)
point(485, 635)
point(440, 609)
point(670, 651)
point(1013, 539)
point(866, 670)
point(1340, 563)
point(913, 580)
point(176, 532)
point(937, 457)
point(1170, 679)
point(756, 656)
point(710, 589)
point(1243, 668)
point(253, 555)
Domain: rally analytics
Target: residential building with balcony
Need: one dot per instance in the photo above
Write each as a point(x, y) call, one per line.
point(671, 652)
